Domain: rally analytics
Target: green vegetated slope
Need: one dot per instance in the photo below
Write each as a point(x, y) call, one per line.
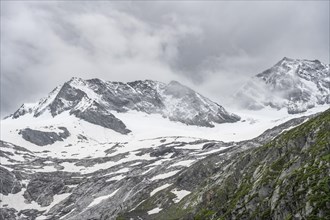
point(287, 178)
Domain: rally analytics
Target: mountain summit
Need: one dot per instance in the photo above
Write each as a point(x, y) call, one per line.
point(291, 83)
point(98, 101)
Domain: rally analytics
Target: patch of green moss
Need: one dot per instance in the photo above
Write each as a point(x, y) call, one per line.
point(269, 176)
point(320, 196)
point(279, 164)
point(242, 191)
point(266, 214)
point(326, 157)
point(288, 217)
point(204, 214)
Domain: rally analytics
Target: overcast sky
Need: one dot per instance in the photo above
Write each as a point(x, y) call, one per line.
point(211, 46)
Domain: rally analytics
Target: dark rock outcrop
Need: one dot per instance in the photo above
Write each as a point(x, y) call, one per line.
point(8, 214)
point(43, 186)
point(42, 138)
point(29, 214)
point(100, 116)
point(9, 184)
point(67, 97)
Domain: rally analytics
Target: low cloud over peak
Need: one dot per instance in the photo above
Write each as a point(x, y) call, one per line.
point(211, 46)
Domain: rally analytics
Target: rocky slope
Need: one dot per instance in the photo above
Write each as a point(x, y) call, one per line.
point(98, 101)
point(294, 84)
point(286, 178)
point(148, 179)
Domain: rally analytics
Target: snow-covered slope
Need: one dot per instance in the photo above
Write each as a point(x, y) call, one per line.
point(294, 84)
point(92, 171)
point(98, 101)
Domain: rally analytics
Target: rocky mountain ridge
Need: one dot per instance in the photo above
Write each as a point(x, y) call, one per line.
point(97, 101)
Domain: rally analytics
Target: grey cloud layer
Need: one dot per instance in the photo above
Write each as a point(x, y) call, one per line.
point(211, 46)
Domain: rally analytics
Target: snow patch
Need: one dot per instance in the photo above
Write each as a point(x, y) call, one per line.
point(153, 192)
point(98, 200)
point(18, 202)
point(165, 175)
point(180, 194)
point(185, 163)
point(154, 211)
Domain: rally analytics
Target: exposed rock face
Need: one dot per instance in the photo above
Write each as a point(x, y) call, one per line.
point(10, 153)
point(43, 186)
point(296, 85)
point(29, 214)
point(42, 138)
point(97, 101)
point(8, 214)
point(9, 182)
point(102, 118)
point(67, 97)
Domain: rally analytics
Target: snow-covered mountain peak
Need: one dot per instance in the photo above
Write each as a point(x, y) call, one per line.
point(306, 69)
point(98, 101)
point(294, 84)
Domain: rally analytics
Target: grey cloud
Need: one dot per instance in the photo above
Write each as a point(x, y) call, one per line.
point(211, 46)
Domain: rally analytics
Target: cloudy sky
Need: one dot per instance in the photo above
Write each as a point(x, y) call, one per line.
point(211, 46)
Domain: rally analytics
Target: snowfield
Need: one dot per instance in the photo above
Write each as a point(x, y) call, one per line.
point(144, 127)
